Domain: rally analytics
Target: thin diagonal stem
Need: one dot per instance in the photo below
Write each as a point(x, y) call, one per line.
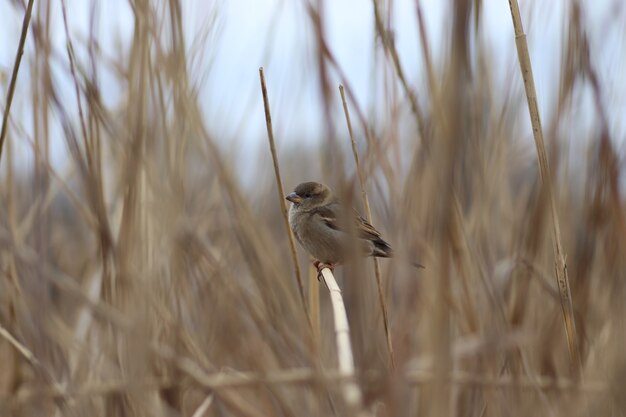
point(281, 193)
point(16, 67)
point(389, 46)
point(368, 213)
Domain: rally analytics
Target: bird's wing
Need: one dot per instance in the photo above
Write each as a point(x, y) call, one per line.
point(363, 229)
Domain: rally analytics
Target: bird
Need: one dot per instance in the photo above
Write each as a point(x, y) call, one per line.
point(321, 225)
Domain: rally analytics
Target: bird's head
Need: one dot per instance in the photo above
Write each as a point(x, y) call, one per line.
point(309, 195)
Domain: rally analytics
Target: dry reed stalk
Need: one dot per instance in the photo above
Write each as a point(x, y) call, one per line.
point(424, 41)
point(71, 58)
point(36, 364)
point(388, 44)
point(204, 406)
point(352, 393)
point(314, 301)
point(16, 68)
point(368, 213)
point(562, 279)
point(23, 350)
point(281, 194)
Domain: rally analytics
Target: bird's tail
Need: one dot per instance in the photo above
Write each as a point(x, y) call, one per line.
point(382, 249)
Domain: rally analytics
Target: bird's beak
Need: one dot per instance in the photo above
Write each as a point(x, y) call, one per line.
point(294, 198)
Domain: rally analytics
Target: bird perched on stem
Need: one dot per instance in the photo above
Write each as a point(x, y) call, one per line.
point(327, 230)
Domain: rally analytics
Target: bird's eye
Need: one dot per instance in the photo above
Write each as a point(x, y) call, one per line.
point(307, 195)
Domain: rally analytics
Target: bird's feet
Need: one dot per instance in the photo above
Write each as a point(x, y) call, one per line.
point(321, 265)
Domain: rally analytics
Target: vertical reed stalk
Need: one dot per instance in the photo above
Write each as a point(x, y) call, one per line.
point(314, 301)
point(388, 44)
point(562, 279)
point(352, 393)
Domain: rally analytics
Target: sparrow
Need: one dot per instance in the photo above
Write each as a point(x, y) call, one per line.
point(320, 224)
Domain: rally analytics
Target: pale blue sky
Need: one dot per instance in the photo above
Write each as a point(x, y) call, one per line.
point(277, 34)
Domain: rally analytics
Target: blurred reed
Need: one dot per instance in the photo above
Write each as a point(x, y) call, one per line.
point(143, 276)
